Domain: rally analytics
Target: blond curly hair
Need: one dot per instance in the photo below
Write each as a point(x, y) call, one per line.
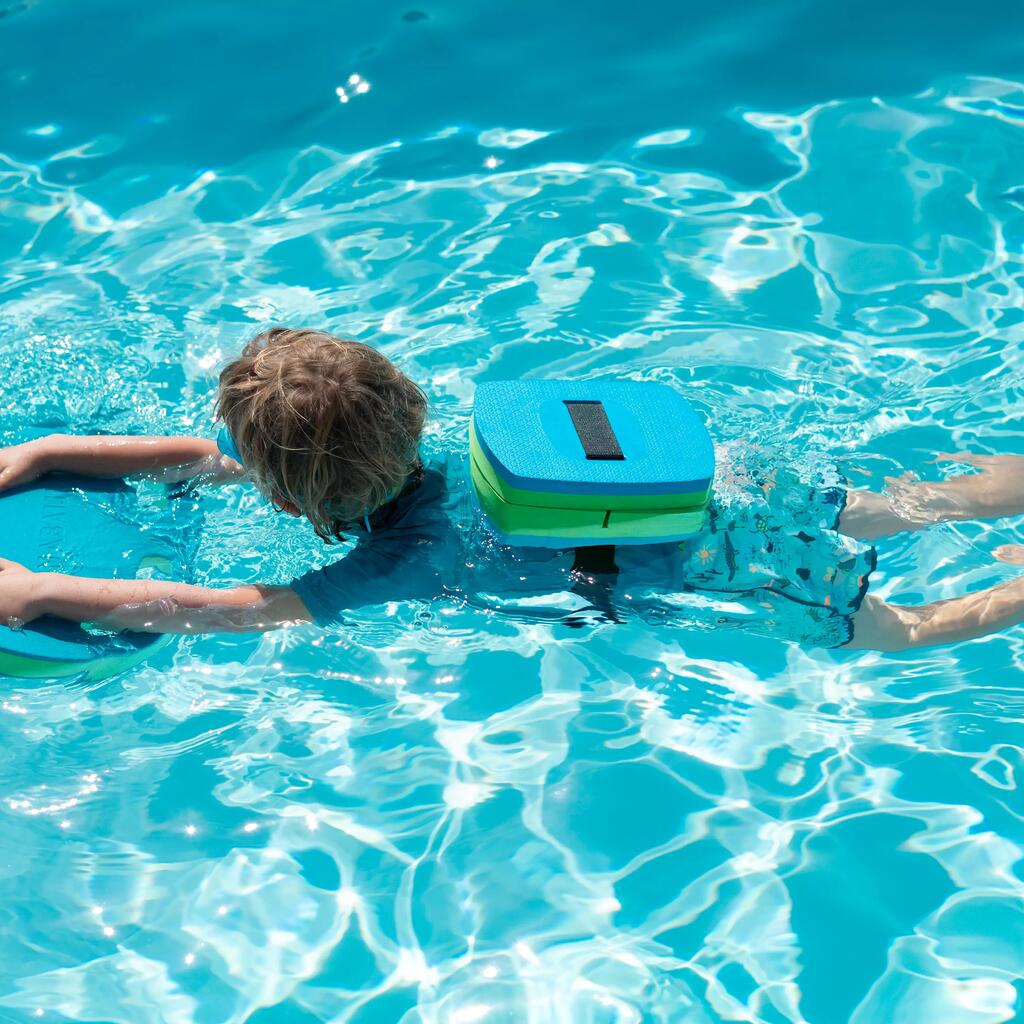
point(327, 425)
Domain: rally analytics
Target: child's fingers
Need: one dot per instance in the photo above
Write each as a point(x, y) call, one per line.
point(17, 471)
point(1012, 554)
point(902, 480)
point(7, 477)
point(971, 460)
point(11, 475)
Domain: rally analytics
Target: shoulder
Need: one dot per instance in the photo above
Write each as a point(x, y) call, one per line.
point(442, 492)
point(425, 510)
point(409, 553)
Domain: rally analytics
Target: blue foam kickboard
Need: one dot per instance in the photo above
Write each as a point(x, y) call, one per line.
point(526, 432)
point(81, 526)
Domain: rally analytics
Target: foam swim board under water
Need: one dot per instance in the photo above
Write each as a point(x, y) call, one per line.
point(578, 463)
point(86, 527)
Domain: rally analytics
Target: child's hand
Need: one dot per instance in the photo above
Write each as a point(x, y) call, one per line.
point(1012, 554)
point(22, 463)
point(17, 593)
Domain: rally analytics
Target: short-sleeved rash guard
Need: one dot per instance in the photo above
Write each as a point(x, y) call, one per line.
point(771, 542)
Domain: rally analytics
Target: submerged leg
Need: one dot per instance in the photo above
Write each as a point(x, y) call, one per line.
point(996, 490)
point(880, 626)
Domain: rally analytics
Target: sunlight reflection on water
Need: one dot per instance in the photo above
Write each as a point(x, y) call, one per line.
point(434, 815)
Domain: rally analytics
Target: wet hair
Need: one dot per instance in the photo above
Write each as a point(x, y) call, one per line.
point(328, 425)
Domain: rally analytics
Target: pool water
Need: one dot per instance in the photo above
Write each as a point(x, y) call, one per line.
point(810, 221)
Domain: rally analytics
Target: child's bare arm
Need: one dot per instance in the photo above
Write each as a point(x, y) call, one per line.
point(151, 606)
point(113, 456)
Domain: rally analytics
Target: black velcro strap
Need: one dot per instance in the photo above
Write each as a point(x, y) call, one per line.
point(594, 431)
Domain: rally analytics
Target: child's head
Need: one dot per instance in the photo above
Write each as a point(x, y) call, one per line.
point(327, 427)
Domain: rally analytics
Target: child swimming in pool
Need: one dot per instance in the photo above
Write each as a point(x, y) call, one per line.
point(330, 429)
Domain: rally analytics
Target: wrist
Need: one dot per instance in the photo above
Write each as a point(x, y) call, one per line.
point(46, 450)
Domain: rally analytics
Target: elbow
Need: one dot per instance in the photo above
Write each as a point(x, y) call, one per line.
point(253, 609)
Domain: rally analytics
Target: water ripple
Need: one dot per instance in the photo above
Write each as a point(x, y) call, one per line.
point(440, 816)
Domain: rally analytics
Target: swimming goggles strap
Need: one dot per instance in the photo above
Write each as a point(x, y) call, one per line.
point(226, 445)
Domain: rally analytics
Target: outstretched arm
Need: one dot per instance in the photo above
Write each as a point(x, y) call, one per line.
point(150, 606)
point(113, 456)
point(995, 491)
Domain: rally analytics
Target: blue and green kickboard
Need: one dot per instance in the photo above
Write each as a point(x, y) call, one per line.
point(82, 526)
point(562, 463)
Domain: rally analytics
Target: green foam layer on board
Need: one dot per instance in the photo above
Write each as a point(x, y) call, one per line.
point(545, 518)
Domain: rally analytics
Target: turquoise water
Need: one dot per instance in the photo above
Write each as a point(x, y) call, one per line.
point(810, 221)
